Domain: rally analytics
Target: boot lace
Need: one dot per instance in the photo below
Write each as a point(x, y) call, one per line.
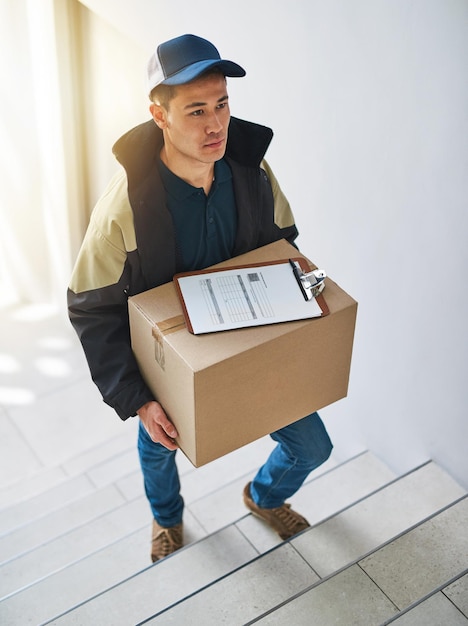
point(167, 541)
point(291, 520)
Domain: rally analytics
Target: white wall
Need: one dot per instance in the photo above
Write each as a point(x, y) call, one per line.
point(369, 102)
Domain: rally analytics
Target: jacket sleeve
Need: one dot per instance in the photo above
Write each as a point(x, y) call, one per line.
point(283, 215)
point(97, 302)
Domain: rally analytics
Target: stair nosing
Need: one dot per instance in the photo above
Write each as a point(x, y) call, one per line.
point(361, 558)
point(281, 544)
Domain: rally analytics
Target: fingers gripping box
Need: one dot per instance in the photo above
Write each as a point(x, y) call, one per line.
point(223, 390)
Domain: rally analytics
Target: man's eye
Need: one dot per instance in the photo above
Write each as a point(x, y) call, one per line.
point(197, 113)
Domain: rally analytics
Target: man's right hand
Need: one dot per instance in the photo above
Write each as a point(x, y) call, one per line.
point(157, 425)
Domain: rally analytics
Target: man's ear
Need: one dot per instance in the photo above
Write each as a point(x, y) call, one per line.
point(159, 115)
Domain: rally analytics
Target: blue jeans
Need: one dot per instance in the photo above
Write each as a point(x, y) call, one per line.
point(301, 447)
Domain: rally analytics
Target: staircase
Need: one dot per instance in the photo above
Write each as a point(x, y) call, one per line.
point(381, 548)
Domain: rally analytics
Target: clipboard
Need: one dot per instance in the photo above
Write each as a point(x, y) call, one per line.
point(256, 294)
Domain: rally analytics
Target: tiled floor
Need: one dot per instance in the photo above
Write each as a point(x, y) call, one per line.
point(59, 441)
point(65, 455)
point(49, 412)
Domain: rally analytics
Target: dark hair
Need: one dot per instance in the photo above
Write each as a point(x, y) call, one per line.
point(163, 94)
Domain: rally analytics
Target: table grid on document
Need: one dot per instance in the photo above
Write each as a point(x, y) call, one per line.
point(212, 304)
point(236, 298)
point(261, 297)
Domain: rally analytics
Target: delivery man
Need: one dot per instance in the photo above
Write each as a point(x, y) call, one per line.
point(193, 190)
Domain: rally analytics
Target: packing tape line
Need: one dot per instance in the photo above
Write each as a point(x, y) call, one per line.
point(166, 327)
point(171, 325)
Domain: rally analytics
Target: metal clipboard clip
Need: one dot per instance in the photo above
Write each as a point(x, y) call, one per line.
point(311, 283)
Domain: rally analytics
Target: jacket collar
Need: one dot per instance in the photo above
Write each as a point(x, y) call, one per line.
point(138, 149)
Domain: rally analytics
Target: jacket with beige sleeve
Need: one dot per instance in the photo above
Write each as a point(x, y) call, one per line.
point(130, 247)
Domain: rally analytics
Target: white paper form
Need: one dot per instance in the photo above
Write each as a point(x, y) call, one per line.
point(241, 297)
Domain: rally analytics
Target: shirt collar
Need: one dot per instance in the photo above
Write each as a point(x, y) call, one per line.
point(182, 190)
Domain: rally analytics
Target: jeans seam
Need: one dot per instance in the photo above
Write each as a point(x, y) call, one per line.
point(278, 481)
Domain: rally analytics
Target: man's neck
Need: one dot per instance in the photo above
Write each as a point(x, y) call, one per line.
point(197, 174)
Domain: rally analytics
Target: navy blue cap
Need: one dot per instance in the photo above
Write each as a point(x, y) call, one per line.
point(182, 59)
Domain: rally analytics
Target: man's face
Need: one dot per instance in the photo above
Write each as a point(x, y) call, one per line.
point(196, 123)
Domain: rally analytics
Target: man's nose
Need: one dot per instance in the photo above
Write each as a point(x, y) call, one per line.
point(213, 123)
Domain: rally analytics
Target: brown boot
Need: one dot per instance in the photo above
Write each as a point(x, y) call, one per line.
point(282, 519)
point(165, 541)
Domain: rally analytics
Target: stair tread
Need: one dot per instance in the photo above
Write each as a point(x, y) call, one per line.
point(231, 596)
point(103, 517)
point(439, 552)
point(457, 592)
point(84, 540)
point(348, 596)
point(119, 465)
point(182, 562)
point(57, 523)
point(26, 525)
point(437, 609)
point(422, 559)
point(60, 553)
point(42, 504)
point(323, 497)
point(88, 541)
point(206, 560)
point(389, 512)
point(45, 482)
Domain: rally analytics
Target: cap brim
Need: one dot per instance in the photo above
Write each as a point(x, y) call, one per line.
point(229, 68)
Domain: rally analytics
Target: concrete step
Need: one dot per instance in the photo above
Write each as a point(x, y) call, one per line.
point(300, 564)
point(104, 487)
point(448, 606)
point(114, 463)
point(214, 578)
point(64, 571)
point(52, 488)
point(418, 578)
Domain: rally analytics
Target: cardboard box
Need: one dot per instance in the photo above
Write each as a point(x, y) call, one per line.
point(224, 390)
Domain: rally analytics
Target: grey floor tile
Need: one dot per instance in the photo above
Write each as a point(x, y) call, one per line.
point(260, 535)
point(66, 588)
point(29, 487)
point(82, 542)
point(18, 461)
point(112, 469)
point(324, 496)
point(103, 451)
point(245, 594)
point(347, 599)
point(457, 592)
point(58, 553)
point(434, 611)
point(377, 519)
point(221, 500)
point(423, 559)
point(341, 486)
point(41, 504)
point(61, 425)
point(131, 485)
point(220, 507)
point(44, 351)
point(169, 581)
point(59, 522)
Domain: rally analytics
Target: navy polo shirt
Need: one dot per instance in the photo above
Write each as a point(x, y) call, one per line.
point(205, 226)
